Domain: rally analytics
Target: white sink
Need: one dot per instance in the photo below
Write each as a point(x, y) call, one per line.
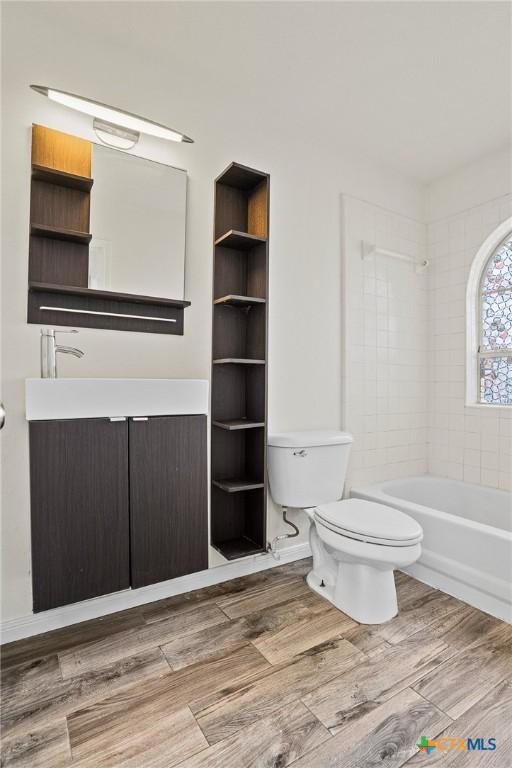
point(89, 398)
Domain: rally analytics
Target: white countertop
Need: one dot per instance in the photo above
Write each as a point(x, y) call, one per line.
point(47, 399)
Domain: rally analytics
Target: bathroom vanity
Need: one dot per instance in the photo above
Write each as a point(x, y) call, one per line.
point(118, 470)
point(118, 480)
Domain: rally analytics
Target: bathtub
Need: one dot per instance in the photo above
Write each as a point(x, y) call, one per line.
point(467, 544)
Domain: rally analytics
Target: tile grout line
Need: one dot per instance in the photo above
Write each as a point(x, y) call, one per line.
point(452, 719)
point(223, 611)
point(410, 759)
point(164, 657)
point(70, 748)
point(208, 745)
point(331, 735)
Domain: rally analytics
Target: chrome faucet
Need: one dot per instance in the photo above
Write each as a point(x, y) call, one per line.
point(49, 349)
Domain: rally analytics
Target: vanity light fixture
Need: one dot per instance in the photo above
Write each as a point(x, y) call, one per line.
point(115, 127)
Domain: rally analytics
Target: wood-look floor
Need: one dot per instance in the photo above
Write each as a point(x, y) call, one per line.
point(260, 672)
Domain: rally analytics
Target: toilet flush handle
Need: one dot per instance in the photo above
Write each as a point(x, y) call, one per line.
point(302, 453)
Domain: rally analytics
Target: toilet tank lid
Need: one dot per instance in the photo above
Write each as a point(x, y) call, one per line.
point(309, 438)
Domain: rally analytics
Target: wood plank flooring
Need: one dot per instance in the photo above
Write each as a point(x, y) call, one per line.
point(260, 672)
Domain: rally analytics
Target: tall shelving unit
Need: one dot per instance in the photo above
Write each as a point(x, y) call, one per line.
point(239, 362)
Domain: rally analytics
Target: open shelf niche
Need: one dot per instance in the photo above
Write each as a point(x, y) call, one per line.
point(239, 362)
point(59, 210)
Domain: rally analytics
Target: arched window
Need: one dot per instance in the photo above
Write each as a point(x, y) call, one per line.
point(490, 359)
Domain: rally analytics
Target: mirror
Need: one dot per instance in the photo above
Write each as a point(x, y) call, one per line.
point(107, 237)
point(138, 216)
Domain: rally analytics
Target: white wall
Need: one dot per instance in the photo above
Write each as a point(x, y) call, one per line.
point(465, 443)
point(487, 178)
point(43, 44)
point(385, 388)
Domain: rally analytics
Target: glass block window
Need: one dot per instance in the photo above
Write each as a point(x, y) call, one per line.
point(495, 350)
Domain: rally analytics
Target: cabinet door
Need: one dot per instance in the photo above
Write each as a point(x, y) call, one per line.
point(168, 498)
point(79, 510)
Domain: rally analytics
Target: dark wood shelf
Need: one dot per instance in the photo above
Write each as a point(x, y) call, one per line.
point(74, 290)
point(241, 176)
point(61, 178)
point(236, 486)
point(237, 361)
point(235, 548)
point(239, 301)
point(232, 425)
point(60, 233)
point(240, 241)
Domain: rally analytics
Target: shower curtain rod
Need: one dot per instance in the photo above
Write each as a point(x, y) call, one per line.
point(370, 249)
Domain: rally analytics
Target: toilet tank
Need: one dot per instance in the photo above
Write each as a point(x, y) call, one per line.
point(307, 468)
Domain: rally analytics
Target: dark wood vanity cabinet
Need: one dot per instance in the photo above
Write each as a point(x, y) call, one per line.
point(79, 510)
point(168, 498)
point(115, 504)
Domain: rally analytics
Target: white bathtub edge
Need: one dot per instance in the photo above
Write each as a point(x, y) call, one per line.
point(491, 593)
point(462, 591)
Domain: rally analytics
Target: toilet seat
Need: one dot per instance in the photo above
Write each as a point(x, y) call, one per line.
point(369, 522)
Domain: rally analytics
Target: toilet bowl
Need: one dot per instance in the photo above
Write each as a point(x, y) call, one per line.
point(353, 563)
point(356, 544)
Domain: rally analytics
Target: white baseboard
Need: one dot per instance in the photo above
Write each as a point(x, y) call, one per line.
point(36, 623)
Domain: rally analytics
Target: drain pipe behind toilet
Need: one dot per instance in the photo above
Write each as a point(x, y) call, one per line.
point(271, 547)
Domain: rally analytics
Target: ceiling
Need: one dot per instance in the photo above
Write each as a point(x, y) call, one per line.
point(422, 87)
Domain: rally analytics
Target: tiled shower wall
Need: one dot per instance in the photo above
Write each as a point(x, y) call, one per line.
point(385, 386)
point(465, 443)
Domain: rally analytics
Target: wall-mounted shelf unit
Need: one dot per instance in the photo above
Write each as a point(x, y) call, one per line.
point(58, 292)
point(239, 362)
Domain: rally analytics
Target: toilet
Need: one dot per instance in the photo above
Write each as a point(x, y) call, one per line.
point(356, 544)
